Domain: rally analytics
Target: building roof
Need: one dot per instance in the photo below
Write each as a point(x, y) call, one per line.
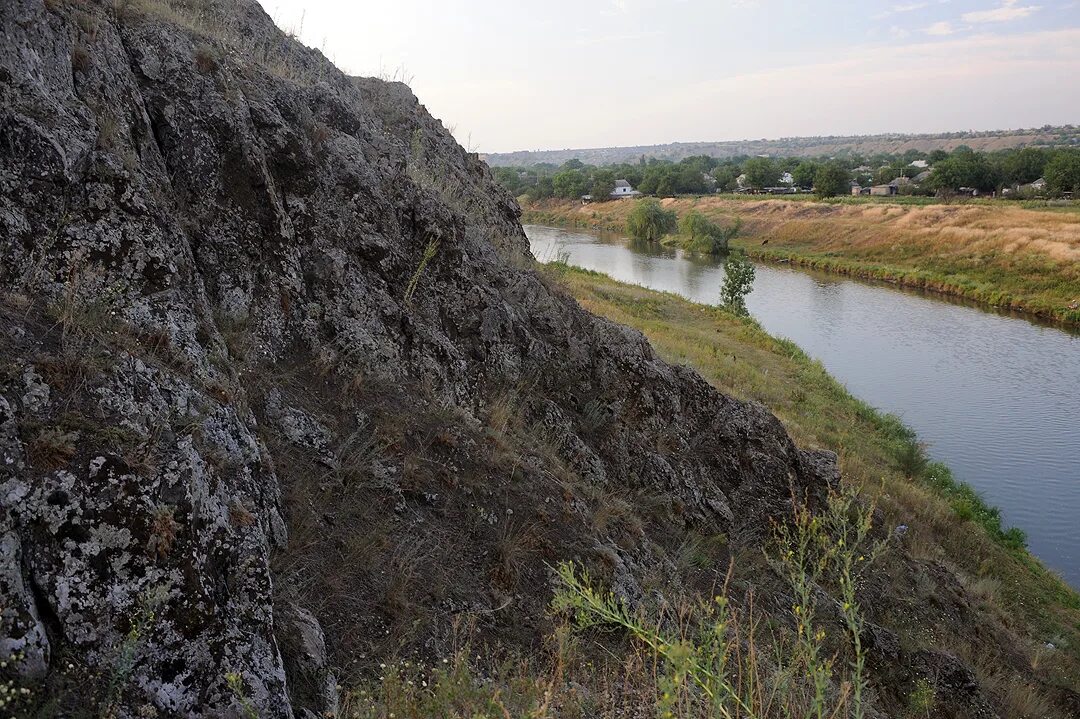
point(622, 183)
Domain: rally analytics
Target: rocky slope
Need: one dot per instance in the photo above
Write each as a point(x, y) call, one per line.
point(213, 247)
point(281, 393)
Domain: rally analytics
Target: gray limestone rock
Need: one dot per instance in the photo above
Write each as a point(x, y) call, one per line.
point(214, 226)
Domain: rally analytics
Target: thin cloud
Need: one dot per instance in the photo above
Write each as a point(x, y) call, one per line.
point(898, 9)
point(585, 39)
point(1009, 10)
point(872, 96)
point(940, 28)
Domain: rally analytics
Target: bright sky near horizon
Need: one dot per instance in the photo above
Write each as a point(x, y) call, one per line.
point(508, 75)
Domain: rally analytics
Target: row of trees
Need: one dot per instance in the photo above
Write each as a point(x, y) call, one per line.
point(963, 167)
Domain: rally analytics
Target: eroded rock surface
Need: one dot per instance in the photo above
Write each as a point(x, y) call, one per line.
point(274, 339)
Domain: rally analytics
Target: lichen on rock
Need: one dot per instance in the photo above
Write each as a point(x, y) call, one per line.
point(287, 348)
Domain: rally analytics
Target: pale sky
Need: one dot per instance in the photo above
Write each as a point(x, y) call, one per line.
point(552, 74)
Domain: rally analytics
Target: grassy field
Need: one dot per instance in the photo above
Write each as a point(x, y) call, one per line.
point(1006, 255)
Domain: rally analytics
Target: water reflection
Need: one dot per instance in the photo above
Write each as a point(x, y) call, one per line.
point(995, 395)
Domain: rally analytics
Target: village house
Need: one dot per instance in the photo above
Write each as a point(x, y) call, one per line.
point(1031, 189)
point(624, 189)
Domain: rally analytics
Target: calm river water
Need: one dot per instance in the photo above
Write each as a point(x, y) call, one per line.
point(995, 397)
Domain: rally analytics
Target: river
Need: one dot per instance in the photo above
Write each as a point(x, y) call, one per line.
point(995, 396)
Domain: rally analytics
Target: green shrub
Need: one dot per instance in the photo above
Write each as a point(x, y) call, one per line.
point(649, 221)
point(911, 459)
point(700, 234)
point(921, 701)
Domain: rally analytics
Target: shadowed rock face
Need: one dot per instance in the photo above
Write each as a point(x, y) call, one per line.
point(215, 244)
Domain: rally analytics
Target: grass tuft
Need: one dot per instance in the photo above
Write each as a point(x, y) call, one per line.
point(52, 448)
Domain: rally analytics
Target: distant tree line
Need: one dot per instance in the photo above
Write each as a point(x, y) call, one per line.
point(827, 177)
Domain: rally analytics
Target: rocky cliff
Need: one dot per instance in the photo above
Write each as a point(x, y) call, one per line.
point(281, 391)
point(273, 355)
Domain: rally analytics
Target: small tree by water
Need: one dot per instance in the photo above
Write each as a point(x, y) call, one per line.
point(649, 221)
point(738, 282)
point(703, 235)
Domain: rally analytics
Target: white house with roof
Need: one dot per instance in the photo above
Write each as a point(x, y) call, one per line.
point(624, 189)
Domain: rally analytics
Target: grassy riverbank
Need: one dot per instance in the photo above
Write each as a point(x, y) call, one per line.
point(1004, 255)
point(949, 526)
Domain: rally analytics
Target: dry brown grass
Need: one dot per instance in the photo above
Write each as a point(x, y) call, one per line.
point(1021, 699)
point(515, 545)
point(52, 448)
point(984, 590)
point(949, 229)
point(163, 531)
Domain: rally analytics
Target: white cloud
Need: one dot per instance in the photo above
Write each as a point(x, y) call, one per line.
point(940, 28)
point(1009, 10)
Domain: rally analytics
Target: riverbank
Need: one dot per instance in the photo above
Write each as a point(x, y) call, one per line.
point(1006, 256)
point(949, 527)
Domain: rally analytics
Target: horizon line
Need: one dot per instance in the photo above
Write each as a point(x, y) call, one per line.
point(1017, 130)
